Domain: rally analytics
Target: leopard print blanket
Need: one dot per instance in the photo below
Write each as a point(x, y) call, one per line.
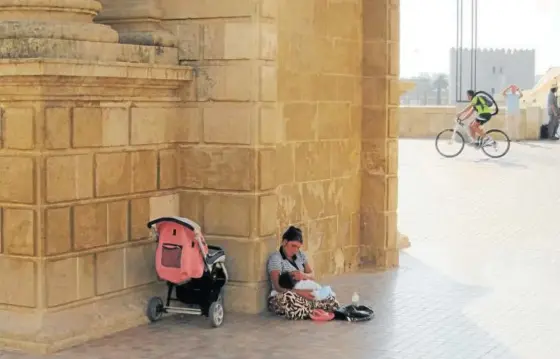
point(295, 307)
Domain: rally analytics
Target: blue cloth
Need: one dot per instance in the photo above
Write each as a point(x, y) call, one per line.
point(323, 293)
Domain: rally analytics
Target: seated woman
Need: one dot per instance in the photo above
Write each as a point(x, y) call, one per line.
point(294, 303)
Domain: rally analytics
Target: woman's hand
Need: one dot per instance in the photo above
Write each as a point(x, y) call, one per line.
point(307, 294)
point(297, 275)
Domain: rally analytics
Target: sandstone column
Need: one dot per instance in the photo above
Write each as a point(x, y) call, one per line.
point(228, 175)
point(46, 28)
point(380, 131)
point(138, 22)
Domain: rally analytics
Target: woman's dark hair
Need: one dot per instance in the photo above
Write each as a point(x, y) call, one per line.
point(470, 93)
point(293, 234)
point(286, 281)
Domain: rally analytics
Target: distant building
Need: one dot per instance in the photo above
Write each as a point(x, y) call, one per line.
point(495, 69)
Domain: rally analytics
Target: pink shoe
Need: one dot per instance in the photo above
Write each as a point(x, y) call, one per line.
point(321, 316)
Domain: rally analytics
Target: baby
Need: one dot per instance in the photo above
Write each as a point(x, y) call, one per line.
point(319, 292)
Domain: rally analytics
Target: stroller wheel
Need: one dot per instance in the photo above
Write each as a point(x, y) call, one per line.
point(216, 314)
point(154, 311)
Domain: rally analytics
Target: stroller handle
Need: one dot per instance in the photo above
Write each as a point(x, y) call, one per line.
point(169, 219)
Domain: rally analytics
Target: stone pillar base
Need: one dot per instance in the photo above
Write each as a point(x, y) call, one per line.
point(48, 331)
point(91, 160)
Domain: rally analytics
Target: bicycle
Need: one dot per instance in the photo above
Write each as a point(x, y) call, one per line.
point(491, 145)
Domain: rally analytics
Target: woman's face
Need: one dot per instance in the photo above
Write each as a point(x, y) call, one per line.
point(291, 248)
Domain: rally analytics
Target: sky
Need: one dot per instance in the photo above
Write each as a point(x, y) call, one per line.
point(428, 31)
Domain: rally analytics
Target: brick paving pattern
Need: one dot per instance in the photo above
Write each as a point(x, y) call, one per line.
point(479, 282)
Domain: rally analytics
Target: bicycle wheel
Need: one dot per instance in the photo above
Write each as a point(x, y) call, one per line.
point(500, 146)
point(450, 146)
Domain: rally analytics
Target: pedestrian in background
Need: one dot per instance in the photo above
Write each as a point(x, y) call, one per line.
point(553, 113)
point(512, 95)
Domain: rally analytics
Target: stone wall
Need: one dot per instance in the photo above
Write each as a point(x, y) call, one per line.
point(228, 171)
point(427, 122)
point(319, 94)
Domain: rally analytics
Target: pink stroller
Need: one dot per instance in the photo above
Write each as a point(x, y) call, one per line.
point(196, 270)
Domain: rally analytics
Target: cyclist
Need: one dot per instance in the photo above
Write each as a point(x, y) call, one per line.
point(483, 114)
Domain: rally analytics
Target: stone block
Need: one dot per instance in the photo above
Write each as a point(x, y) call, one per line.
point(69, 178)
point(90, 226)
point(139, 215)
point(196, 9)
point(230, 40)
point(230, 215)
point(109, 271)
point(144, 171)
point(117, 222)
point(189, 35)
point(247, 298)
point(242, 267)
point(392, 193)
point(323, 88)
point(87, 128)
point(184, 125)
point(301, 121)
point(148, 125)
point(168, 169)
point(19, 282)
point(377, 26)
point(393, 123)
point(374, 191)
point(62, 281)
point(267, 169)
point(376, 92)
point(312, 161)
point(317, 199)
point(376, 59)
point(269, 8)
point(191, 206)
point(18, 231)
point(57, 127)
point(392, 157)
point(270, 127)
point(115, 124)
point(140, 265)
point(374, 157)
point(333, 120)
point(268, 209)
point(86, 276)
point(268, 49)
point(285, 163)
point(164, 206)
point(345, 158)
point(225, 168)
point(289, 204)
point(58, 231)
point(19, 128)
point(17, 182)
point(232, 82)
point(322, 235)
point(229, 124)
point(113, 174)
point(268, 84)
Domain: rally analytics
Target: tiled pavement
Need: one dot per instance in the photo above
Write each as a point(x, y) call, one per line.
point(480, 280)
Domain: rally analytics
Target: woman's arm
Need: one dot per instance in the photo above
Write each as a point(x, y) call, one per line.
point(274, 278)
point(308, 271)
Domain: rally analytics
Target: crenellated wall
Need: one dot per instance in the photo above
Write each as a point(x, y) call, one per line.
point(427, 122)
